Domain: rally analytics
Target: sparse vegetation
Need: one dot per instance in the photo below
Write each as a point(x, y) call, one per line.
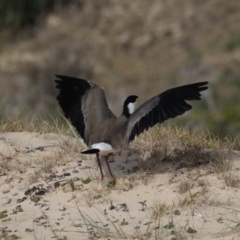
point(189, 158)
point(18, 209)
point(232, 179)
point(3, 214)
point(72, 184)
point(111, 184)
point(191, 230)
point(86, 181)
point(184, 186)
point(6, 220)
point(170, 225)
point(35, 125)
point(158, 210)
point(35, 199)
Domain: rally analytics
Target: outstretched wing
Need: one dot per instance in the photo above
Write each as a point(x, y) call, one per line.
point(84, 103)
point(168, 104)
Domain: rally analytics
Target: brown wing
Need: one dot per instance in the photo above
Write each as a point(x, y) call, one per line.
point(84, 103)
point(168, 104)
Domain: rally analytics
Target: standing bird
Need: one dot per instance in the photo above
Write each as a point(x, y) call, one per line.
point(84, 103)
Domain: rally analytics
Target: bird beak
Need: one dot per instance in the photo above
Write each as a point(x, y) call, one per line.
point(138, 102)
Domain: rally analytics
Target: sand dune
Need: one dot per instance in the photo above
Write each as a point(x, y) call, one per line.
point(48, 189)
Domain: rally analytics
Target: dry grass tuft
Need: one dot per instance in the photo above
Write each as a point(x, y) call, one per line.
point(158, 210)
point(222, 165)
point(184, 186)
point(127, 182)
point(196, 196)
point(232, 179)
point(191, 149)
point(36, 125)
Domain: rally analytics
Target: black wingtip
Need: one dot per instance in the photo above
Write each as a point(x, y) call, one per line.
point(91, 151)
point(60, 76)
point(67, 78)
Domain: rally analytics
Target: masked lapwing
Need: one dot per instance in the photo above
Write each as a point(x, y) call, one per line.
point(84, 103)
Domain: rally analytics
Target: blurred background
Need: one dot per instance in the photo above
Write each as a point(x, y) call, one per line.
point(128, 47)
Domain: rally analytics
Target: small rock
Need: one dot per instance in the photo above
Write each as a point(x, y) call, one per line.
point(43, 205)
point(8, 180)
point(2, 174)
point(77, 225)
point(21, 200)
point(220, 220)
point(41, 192)
point(6, 191)
point(40, 148)
point(63, 183)
point(30, 190)
point(6, 201)
point(105, 212)
point(85, 167)
point(62, 209)
point(75, 171)
point(76, 179)
point(177, 212)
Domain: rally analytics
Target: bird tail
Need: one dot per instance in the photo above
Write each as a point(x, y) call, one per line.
point(91, 151)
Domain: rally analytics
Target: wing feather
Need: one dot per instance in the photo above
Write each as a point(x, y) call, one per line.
point(69, 98)
point(168, 104)
point(83, 102)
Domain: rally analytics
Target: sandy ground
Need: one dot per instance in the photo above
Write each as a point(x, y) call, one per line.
point(45, 194)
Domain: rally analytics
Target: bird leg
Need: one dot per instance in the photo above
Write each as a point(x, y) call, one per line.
point(99, 164)
point(109, 169)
